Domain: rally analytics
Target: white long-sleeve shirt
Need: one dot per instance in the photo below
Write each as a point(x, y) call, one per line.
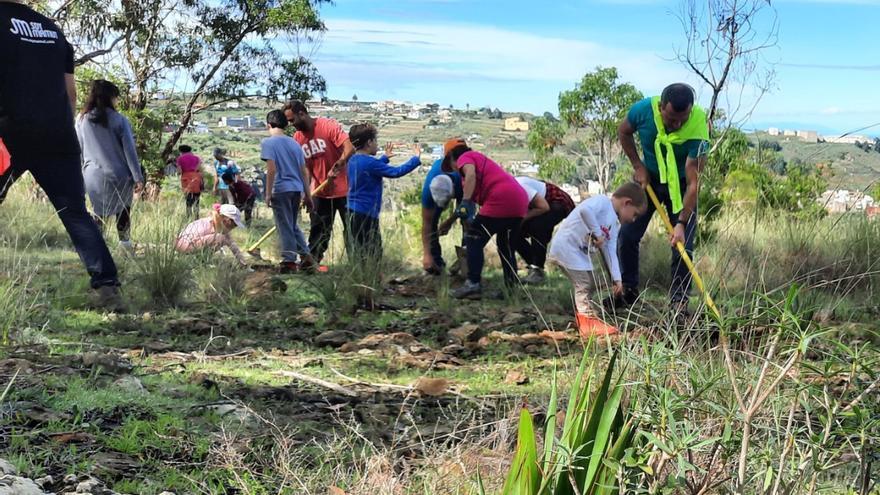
point(571, 246)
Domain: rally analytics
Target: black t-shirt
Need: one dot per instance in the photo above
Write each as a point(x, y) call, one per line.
point(35, 115)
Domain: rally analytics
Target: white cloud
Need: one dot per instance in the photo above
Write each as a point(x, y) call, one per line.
point(830, 111)
point(483, 52)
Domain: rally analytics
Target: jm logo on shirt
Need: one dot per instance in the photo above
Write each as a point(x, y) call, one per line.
point(32, 32)
point(314, 147)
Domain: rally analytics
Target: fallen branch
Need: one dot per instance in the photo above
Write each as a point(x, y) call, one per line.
point(317, 381)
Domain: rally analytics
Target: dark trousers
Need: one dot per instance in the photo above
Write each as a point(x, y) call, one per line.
point(247, 208)
point(436, 249)
point(286, 206)
point(192, 204)
point(631, 236)
point(61, 178)
point(322, 218)
point(366, 238)
point(481, 230)
point(534, 235)
point(123, 223)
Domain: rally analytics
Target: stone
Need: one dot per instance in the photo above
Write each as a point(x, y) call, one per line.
point(130, 384)
point(6, 467)
point(45, 481)
point(464, 334)
point(109, 362)
point(16, 485)
point(90, 485)
point(334, 338)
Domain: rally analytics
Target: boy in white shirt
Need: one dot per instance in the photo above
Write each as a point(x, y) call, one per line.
point(595, 223)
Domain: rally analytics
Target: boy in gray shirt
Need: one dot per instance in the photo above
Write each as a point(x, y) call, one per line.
point(286, 176)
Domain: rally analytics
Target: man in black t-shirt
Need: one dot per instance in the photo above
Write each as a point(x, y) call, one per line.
point(37, 100)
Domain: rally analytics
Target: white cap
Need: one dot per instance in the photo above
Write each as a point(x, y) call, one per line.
point(442, 190)
point(230, 211)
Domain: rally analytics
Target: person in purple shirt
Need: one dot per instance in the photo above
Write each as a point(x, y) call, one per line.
point(365, 174)
point(243, 196)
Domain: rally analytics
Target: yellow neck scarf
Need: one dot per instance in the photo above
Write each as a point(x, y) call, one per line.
point(696, 127)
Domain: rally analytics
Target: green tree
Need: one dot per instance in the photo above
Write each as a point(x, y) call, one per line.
point(597, 104)
point(206, 51)
point(557, 168)
point(231, 64)
point(543, 137)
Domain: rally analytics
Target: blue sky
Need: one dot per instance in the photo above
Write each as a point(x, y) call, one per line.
point(518, 55)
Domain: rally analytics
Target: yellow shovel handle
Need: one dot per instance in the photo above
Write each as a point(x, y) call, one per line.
point(684, 256)
point(321, 187)
point(262, 239)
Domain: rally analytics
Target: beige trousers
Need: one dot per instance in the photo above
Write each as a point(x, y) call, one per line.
point(583, 283)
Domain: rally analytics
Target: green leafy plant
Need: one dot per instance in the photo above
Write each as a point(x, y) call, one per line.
point(586, 458)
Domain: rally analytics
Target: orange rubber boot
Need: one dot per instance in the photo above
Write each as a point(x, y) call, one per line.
point(590, 326)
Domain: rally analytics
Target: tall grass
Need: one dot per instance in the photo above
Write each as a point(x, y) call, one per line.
point(158, 269)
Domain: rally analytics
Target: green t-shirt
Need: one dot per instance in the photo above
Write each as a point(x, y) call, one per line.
point(641, 117)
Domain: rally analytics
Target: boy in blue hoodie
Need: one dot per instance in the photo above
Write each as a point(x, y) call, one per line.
point(365, 174)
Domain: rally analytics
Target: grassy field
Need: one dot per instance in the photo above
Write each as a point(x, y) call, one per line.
point(853, 168)
point(223, 381)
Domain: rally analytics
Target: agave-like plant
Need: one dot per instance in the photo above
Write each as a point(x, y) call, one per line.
point(585, 458)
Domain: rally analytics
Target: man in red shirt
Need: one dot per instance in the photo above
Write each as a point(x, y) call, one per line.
point(327, 151)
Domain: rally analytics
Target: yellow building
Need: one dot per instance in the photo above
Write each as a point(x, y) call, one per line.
point(516, 124)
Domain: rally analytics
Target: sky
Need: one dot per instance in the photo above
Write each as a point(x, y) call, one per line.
point(518, 55)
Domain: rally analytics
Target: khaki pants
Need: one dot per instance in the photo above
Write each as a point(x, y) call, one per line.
point(583, 283)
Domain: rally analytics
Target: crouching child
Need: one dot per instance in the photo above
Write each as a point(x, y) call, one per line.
point(594, 225)
point(213, 232)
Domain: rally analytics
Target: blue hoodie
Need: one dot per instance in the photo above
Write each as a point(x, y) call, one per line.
point(365, 175)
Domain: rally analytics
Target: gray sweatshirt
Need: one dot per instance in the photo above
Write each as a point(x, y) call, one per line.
point(110, 162)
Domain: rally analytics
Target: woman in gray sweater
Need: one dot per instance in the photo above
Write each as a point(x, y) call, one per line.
point(110, 163)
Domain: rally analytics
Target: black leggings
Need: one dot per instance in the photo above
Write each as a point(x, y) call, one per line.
point(535, 235)
point(123, 223)
point(481, 230)
point(192, 204)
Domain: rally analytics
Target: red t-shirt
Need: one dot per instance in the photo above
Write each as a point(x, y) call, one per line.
point(497, 192)
point(323, 147)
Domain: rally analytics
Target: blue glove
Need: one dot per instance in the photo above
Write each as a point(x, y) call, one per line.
point(467, 210)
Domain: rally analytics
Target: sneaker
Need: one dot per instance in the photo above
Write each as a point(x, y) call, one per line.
point(590, 326)
point(469, 290)
point(288, 267)
point(109, 298)
point(628, 298)
point(307, 264)
point(535, 276)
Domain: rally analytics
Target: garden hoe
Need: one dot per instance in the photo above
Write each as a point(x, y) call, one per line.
point(254, 250)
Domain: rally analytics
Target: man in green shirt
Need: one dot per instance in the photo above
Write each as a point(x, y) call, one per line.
point(674, 138)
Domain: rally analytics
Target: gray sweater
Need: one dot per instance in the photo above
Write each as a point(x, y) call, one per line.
point(110, 162)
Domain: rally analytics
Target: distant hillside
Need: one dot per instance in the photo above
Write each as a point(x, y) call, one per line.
point(853, 168)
